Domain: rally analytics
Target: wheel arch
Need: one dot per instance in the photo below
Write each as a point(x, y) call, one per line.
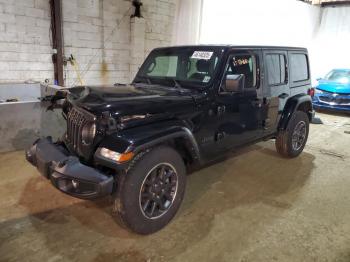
point(182, 141)
point(301, 102)
point(139, 140)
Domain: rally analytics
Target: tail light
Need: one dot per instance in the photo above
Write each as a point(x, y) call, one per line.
point(311, 92)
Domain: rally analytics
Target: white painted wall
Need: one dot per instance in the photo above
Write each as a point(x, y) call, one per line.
point(324, 31)
point(25, 38)
point(256, 22)
point(268, 22)
point(188, 22)
point(332, 43)
point(91, 35)
point(25, 49)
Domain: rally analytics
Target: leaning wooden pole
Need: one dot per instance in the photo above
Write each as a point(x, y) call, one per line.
point(57, 40)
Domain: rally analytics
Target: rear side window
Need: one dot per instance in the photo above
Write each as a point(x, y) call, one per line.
point(276, 69)
point(299, 67)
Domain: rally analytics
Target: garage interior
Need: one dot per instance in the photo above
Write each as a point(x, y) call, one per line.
point(251, 206)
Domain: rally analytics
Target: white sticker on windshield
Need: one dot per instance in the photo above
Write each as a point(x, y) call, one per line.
point(202, 55)
point(206, 79)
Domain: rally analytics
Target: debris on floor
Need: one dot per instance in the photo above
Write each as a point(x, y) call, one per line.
point(331, 153)
point(316, 120)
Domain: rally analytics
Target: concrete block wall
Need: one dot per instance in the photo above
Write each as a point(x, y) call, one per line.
point(137, 45)
point(91, 35)
point(160, 18)
point(25, 49)
point(105, 53)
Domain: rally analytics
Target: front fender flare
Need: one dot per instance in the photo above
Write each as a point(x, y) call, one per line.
point(138, 139)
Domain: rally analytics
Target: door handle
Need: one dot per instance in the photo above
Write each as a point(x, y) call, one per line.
point(256, 103)
point(283, 95)
point(221, 110)
point(219, 136)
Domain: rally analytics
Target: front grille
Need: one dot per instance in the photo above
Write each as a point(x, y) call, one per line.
point(335, 100)
point(326, 99)
point(76, 120)
point(343, 101)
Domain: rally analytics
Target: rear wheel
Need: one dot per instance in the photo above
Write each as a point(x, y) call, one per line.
point(151, 192)
point(291, 142)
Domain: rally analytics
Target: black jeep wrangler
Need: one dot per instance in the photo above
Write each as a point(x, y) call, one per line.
point(186, 106)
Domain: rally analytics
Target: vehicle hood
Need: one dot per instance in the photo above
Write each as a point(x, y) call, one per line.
point(334, 87)
point(128, 100)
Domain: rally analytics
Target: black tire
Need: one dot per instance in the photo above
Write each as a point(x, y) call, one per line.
point(284, 140)
point(139, 181)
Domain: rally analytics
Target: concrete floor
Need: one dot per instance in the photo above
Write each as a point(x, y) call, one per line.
point(255, 206)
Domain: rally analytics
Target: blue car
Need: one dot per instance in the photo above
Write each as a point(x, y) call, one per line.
point(333, 91)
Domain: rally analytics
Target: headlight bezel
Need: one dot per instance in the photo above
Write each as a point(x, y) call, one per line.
point(318, 91)
point(88, 133)
point(114, 155)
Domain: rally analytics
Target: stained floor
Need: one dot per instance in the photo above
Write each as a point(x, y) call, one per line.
point(254, 206)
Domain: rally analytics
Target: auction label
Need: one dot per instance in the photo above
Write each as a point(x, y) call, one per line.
point(202, 55)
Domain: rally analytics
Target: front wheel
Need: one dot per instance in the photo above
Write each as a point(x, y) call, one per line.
point(151, 192)
point(291, 142)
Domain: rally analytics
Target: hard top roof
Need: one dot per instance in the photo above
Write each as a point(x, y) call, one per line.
point(227, 47)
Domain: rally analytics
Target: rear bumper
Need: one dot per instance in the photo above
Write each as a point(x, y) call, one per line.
point(67, 173)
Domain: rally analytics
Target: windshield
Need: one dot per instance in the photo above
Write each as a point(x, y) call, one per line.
point(342, 76)
point(182, 66)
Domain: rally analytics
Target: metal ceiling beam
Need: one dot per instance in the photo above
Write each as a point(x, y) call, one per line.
point(335, 3)
point(327, 2)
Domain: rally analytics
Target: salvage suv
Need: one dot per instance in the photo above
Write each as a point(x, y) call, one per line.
point(186, 107)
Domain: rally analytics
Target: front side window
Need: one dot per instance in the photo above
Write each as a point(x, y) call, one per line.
point(243, 65)
point(187, 66)
point(276, 69)
point(299, 67)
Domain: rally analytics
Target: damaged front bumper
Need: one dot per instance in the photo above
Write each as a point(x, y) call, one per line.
point(67, 173)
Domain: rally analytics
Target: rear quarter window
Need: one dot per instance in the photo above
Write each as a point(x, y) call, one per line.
point(299, 68)
point(276, 69)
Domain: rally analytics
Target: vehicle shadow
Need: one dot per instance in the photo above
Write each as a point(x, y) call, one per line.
point(253, 174)
point(256, 174)
point(333, 112)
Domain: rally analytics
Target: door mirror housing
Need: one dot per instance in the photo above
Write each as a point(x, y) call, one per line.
point(235, 83)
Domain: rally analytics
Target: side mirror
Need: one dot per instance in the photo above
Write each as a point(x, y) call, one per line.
point(235, 83)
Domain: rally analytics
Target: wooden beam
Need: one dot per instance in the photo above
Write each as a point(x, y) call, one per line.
point(57, 40)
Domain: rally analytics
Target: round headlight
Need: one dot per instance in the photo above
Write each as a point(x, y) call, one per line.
point(88, 133)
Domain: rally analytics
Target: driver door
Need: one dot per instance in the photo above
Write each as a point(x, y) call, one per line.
point(241, 110)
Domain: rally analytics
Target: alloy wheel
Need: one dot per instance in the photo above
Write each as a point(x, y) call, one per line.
point(158, 191)
point(299, 135)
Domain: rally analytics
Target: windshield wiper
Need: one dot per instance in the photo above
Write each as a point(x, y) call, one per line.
point(176, 83)
point(148, 80)
point(144, 78)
